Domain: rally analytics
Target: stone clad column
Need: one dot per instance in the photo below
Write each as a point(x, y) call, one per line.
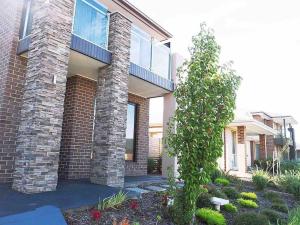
point(39, 134)
point(108, 162)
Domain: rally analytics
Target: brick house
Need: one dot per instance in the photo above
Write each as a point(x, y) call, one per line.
point(253, 136)
point(76, 79)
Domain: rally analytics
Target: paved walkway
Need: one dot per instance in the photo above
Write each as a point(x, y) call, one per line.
point(69, 194)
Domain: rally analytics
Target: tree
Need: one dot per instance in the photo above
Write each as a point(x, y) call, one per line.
point(205, 97)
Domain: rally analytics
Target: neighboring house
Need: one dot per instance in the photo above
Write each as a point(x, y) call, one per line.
point(253, 136)
point(76, 79)
point(155, 140)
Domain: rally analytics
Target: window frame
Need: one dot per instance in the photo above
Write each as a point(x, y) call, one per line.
point(26, 14)
point(98, 10)
point(135, 126)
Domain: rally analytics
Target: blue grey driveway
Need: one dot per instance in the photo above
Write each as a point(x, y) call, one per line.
point(69, 194)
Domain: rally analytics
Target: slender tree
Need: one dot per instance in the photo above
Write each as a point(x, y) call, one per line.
point(205, 97)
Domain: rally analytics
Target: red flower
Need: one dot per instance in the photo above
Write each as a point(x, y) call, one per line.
point(96, 214)
point(134, 204)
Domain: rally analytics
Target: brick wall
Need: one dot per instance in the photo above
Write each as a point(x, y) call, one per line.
point(77, 131)
point(139, 167)
point(262, 146)
point(241, 134)
point(12, 76)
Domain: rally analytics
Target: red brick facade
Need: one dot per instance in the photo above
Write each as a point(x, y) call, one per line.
point(76, 143)
point(12, 77)
point(241, 134)
point(262, 146)
point(139, 167)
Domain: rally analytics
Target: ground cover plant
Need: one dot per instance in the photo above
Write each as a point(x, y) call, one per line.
point(273, 216)
point(231, 192)
point(247, 203)
point(211, 217)
point(230, 208)
point(260, 179)
point(222, 181)
point(248, 195)
point(251, 218)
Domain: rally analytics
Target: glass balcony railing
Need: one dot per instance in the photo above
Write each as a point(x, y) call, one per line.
point(91, 21)
point(149, 53)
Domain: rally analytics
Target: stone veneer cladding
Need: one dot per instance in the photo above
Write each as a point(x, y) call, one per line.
point(12, 74)
point(77, 131)
point(38, 145)
point(108, 162)
point(139, 166)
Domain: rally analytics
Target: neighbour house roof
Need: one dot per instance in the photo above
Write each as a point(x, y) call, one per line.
point(277, 118)
point(253, 127)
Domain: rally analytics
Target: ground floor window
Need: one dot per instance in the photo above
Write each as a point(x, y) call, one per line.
point(131, 131)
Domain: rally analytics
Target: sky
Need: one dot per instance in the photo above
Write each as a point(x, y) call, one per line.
point(261, 37)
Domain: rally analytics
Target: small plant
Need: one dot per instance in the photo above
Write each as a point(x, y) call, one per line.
point(211, 217)
point(134, 204)
point(251, 218)
point(294, 217)
point(247, 203)
point(96, 214)
point(113, 201)
point(280, 207)
point(222, 181)
point(240, 185)
point(273, 216)
point(230, 208)
point(249, 195)
point(230, 192)
point(260, 179)
point(271, 195)
point(215, 192)
point(290, 182)
point(203, 201)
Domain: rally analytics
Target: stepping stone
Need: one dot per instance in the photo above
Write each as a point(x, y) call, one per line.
point(218, 202)
point(165, 185)
point(180, 185)
point(155, 188)
point(137, 190)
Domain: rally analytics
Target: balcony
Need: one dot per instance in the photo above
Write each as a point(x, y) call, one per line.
point(281, 141)
point(150, 59)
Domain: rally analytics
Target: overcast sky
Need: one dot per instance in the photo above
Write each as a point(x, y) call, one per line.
point(262, 37)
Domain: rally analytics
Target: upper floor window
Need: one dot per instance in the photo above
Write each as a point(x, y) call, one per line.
point(26, 19)
point(91, 22)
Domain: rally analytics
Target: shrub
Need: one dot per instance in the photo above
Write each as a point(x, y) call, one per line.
point(203, 201)
point(222, 181)
point(218, 193)
point(273, 216)
point(230, 208)
point(177, 209)
point(247, 203)
point(280, 207)
point(211, 217)
point(230, 192)
point(260, 179)
point(249, 195)
point(215, 174)
point(294, 217)
point(271, 195)
point(112, 202)
point(288, 165)
point(251, 218)
point(290, 182)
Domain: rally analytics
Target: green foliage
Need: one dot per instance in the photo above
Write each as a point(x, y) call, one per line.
point(231, 192)
point(272, 196)
point(211, 217)
point(112, 202)
point(290, 182)
point(260, 179)
point(294, 217)
point(265, 164)
point(247, 203)
point(215, 174)
point(286, 166)
point(280, 207)
point(203, 201)
point(273, 216)
point(230, 208)
point(205, 96)
point(218, 193)
point(222, 181)
point(250, 218)
point(151, 165)
point(177, 211)
point(249, 195)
